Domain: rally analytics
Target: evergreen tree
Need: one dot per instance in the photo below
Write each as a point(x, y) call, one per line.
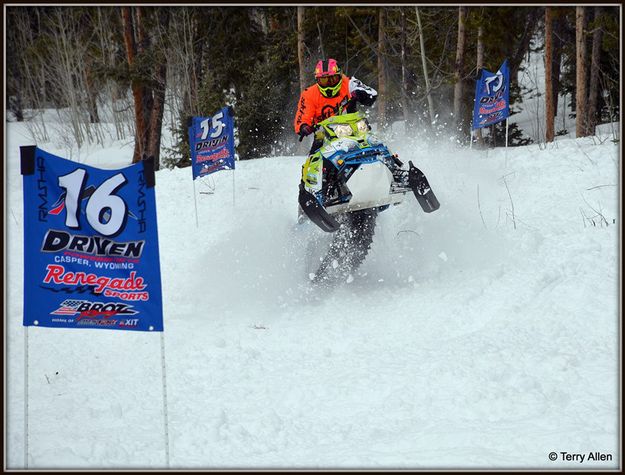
point(74, 59)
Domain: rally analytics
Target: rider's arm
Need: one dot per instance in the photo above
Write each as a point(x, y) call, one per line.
point(305, 110)
point(364, 94)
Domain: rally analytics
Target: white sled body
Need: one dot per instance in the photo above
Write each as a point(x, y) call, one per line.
point(370, 186)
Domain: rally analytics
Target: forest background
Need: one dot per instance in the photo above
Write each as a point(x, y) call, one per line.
point(146, 68)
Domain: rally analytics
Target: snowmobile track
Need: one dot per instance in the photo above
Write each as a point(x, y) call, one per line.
point(349, 247)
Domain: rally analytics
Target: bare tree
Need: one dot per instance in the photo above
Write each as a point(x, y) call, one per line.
point(182, 58)
point(479, 64)
point(459, 66)
point(557, 41)
point(593, 94)
point(549, 103)
point(580, 83)
point(104, 31)
point(404, 75)
point(321, 50)
point(425, 69)
point(64, 65)
point(29, 66)
point(301, 46)
point(68, 41)
point(381, 69)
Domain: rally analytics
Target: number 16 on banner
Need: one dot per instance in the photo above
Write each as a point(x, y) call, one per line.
point(102, 205)
point(91, 254)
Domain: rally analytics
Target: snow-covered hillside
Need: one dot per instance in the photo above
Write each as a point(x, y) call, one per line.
point(485, 334)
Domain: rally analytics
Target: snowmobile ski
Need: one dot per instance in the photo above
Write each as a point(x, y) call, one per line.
point(422, 190)
point(315, 212)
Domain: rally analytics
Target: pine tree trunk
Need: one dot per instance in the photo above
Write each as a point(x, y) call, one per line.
point(381, 101)
point(580, 83)
point(593, 94)
point(156, 117)
point(549, 110)
point(301, 45)
point(274, 22)
point(146, 92)
point(158, 106)
point(480, 48)
point(459, 66)
point(137, 90)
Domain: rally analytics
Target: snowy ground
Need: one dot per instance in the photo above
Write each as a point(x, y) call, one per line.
point(476, 336)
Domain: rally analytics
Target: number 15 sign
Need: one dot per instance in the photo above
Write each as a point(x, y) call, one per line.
point(211, 140)
point(91, 255)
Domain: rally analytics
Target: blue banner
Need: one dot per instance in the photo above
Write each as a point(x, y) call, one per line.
point(211, 140)
point(91, 256)
point(492, 97)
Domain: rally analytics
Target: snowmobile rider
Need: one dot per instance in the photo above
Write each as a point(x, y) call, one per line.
point(332, 94)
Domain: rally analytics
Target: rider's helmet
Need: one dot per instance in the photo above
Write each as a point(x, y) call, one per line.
point(329, 77)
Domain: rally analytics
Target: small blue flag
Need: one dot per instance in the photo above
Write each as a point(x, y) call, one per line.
point(492, 97)
point(211, 140)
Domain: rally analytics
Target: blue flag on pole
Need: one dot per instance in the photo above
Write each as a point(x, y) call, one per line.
point(492, 97)
point(91, 256)
point(211, 140)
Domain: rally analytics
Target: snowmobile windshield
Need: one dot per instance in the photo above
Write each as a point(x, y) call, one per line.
point(345, 125)
point(342, 130)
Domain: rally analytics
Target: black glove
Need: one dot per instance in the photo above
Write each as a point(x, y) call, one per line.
point(305, 130)
point(363, 97)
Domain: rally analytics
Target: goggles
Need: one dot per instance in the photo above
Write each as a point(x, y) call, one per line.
point(329, 81)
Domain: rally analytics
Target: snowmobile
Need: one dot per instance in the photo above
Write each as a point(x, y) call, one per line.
point(345, 184)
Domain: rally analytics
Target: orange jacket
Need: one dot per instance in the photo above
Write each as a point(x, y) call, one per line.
point(314, 107)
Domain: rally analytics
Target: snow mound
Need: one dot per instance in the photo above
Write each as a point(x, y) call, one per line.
point(482, 335)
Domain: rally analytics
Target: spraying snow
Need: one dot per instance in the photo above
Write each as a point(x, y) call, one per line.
point(482, 335)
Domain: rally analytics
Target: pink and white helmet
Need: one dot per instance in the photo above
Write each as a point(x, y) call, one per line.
point(327, 67)
point(329, 78)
